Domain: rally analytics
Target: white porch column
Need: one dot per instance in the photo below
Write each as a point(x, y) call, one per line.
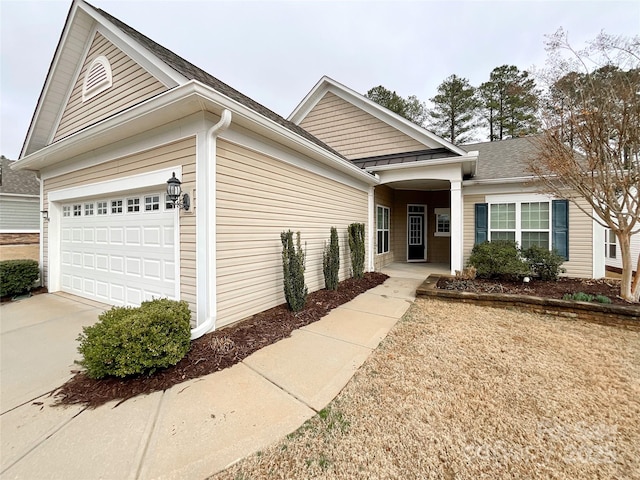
point(456, 226)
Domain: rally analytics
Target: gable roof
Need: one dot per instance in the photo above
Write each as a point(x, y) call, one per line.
point(326, 84)
point(18, 182)
point(504, 159)
point(169, 68)
point(191, 72)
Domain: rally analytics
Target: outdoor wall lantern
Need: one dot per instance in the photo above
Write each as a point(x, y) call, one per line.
point(45, 215)
point(173, 192)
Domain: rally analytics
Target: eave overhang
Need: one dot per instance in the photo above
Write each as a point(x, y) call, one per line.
point(180, 102)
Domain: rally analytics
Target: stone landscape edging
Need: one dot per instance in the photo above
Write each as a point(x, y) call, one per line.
point(618, 315)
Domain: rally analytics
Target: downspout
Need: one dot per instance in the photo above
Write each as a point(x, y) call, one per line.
point(210, 226)
point(42, 237)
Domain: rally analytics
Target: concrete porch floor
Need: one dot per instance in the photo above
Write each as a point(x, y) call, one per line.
point(415, 270)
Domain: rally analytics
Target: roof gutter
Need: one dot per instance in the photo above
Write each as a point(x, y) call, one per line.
point(497, 181)
point(186, 99)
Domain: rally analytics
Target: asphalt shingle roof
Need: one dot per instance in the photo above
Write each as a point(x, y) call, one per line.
point(192, 72)
point(23, 182)
point(503, 159)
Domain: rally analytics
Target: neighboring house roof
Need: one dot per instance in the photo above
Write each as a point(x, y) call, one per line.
point(503, 159)
point(326, 84)
point(20, 182)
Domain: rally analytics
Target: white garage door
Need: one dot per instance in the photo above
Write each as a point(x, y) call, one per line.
point(119, 250)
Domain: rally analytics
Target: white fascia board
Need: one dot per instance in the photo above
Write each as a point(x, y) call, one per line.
point(50, 75)
point(163, 72)
point(309, 101)
point(421, 163)
point(499, 181)
point(410, 129)
point(176, 103)
point(272, 130)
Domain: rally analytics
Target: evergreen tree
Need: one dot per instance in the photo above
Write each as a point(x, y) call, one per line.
point(454, 111)
point(510, 103)
point(410, 108)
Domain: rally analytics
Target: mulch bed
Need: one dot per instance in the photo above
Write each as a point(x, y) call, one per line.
point(539, 288)
point(34, 291)
point(217, 350)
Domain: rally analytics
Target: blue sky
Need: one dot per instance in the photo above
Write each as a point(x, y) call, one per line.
point(275, 52)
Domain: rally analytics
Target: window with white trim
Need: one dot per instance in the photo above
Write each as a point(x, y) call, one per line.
point(77, 210)
point(151, 203)
point(133, 205)
point(97, 79)
point(66, 211)
point(102, 208)
point(526, 220)
point(116, 206)
point(443, 222)
point(382, 229)
point(88, 209)
point(610, 244)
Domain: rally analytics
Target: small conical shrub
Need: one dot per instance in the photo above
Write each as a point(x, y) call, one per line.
point(356, 245)
point(331, 261)
point(295, 291)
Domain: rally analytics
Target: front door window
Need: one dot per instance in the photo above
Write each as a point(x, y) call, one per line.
point(416, 244)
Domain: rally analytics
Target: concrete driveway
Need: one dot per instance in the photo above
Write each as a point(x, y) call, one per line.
point(192, 430)
point(38, 344)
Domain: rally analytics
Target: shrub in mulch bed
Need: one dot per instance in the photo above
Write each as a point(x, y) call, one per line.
point(539, 288)
point(217, 350)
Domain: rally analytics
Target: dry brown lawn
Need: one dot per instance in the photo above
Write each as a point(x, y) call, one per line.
point(464, 392)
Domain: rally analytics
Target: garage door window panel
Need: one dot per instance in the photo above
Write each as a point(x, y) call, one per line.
point(133, 205)
point(116, 206)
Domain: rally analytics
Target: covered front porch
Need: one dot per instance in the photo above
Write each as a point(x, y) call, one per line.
point(417, 213)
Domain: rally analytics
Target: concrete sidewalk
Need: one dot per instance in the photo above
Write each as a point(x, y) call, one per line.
point(193, 430)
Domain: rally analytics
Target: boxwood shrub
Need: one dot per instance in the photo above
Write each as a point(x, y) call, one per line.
point(498, 259)
point(544, 264)
point(133, 341)
point(17, 276)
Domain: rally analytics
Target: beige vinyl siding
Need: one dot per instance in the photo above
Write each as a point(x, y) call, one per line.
point(257, 198)
point(353, 132)
point(580, 263)
point(384, 197)
point(183, 153)
point(131, 84)
point(469, 226)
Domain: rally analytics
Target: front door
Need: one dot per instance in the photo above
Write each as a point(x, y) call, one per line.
point(416, 247)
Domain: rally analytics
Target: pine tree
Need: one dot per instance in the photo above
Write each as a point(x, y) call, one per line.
point(510, 103)
point(454, 112)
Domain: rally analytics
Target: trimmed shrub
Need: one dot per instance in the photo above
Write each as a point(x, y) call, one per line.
point(356, 245)
point(133, 341)
point(17, 276)
point(543, 263)
point(578, 297)
point(498, 259)
point(331, 261)
point(295, 291)
point(602, 299)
